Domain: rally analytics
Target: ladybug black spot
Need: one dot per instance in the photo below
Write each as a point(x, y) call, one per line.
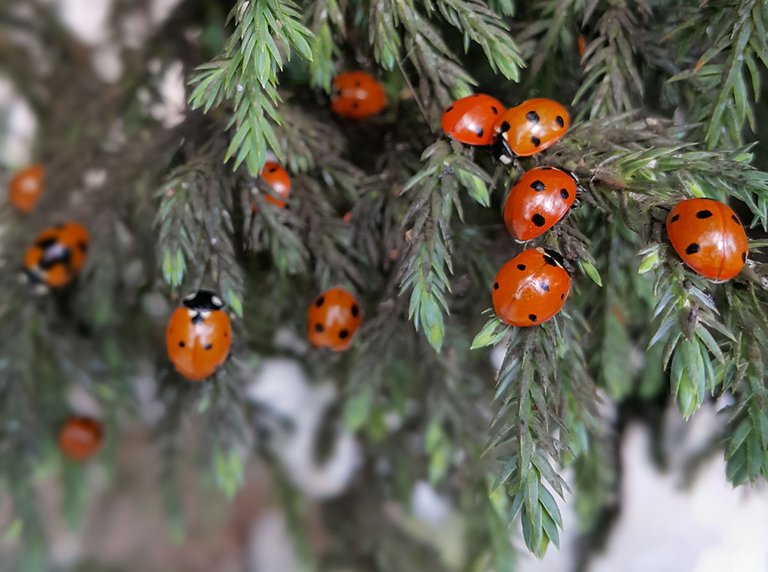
point(226, 335)
point(675, 218)
point(355, 105)
point(562, 296)
point(343, 334)
point(182, 345)
point(494, 110)
point(449, 109)
point(537, 186)
point(550, 260)
point(319, 328)
point(532, 116)
point(83, 246)
point(692, 248)
point(564, 193)
point(272, 169)
point(743, 256)
point(357, 83)
point(208, 346)
point(319, 301)
point(521, 266)
point(735, 219)
point(560, 121)
point(545, 287)
point(504, 127)
point(704, 214)
point(336, 92)
point(495, 285)
point(538, 220)
point(355, 310)
point(536, 141)
point(532, 317)
point(479, 132)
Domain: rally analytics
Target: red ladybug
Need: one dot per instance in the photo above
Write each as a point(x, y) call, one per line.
point(471, 119)
point(532, 126)
point(80, 438)
point(25, 188)
point(199, 336)
point(57, 255)
point(357, 95)
point(279, 181)
point(332, 319)
point(582, 45)
point(538, 200)
point(709, 237)
point(530, 288)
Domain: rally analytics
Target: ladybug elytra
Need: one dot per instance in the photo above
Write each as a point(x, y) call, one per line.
point(279, 181)
point(199, 336)
point(57, 255)
point(471, 119)
point(538, 200)
point(25, 188)
point(709, 237)
point(357, 95)
point(332, 319)
point(532, 126)
point(530, 288)
point(80, 438)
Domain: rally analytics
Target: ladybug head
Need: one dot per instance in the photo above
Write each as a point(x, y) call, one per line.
point(203, 300)
point(32, 278)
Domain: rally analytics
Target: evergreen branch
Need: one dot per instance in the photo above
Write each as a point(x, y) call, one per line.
point(612, 82)
point(482, 25)
point(325, 18)
point(246, 75)
point(426, 261)
point(724, 74)
point(194, 223)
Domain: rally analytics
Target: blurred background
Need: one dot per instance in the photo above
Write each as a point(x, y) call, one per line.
point(665, 524)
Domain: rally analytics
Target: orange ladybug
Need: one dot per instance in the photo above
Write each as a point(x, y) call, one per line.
point(357, 95)
point(25, 188)
point(532, 126)
point(709, 237)
point(57, 255)
point(199, 336)
point(538, 200)
point(582, 45)
point(531, 288)
point(471, 119)
point(279, 181)
point(80, 438)
point(332, 319)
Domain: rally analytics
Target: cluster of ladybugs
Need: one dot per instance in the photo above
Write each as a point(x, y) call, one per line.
point(529, 289)
point(532, 287)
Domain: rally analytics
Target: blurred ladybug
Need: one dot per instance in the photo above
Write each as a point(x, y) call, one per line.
point(279, 181)
point(471, 119)
point(709, 237)
point(357, 95)
point(532, 126)
point(582, 45)
point(80, 438)
point(538, 200)
point(57, 255)
point(25, 188)
point(531, 288)
point(332, 319)
point(199, 336)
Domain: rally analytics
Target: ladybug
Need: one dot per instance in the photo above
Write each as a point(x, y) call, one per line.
point(471, 119)
point(538, 200)
point(332, 319)
point(582, 45)
point(531, 288)
point(709, 237)
point(279, 181)
point(199, 336)
point(25, 188)
point(57, 255)
point(357, 95)
point(80, 438)
point(532, 126)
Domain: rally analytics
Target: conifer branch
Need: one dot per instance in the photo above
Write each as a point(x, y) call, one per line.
point(326, 18)
point(725, 80)
point(426, 262)
point(245, 74)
